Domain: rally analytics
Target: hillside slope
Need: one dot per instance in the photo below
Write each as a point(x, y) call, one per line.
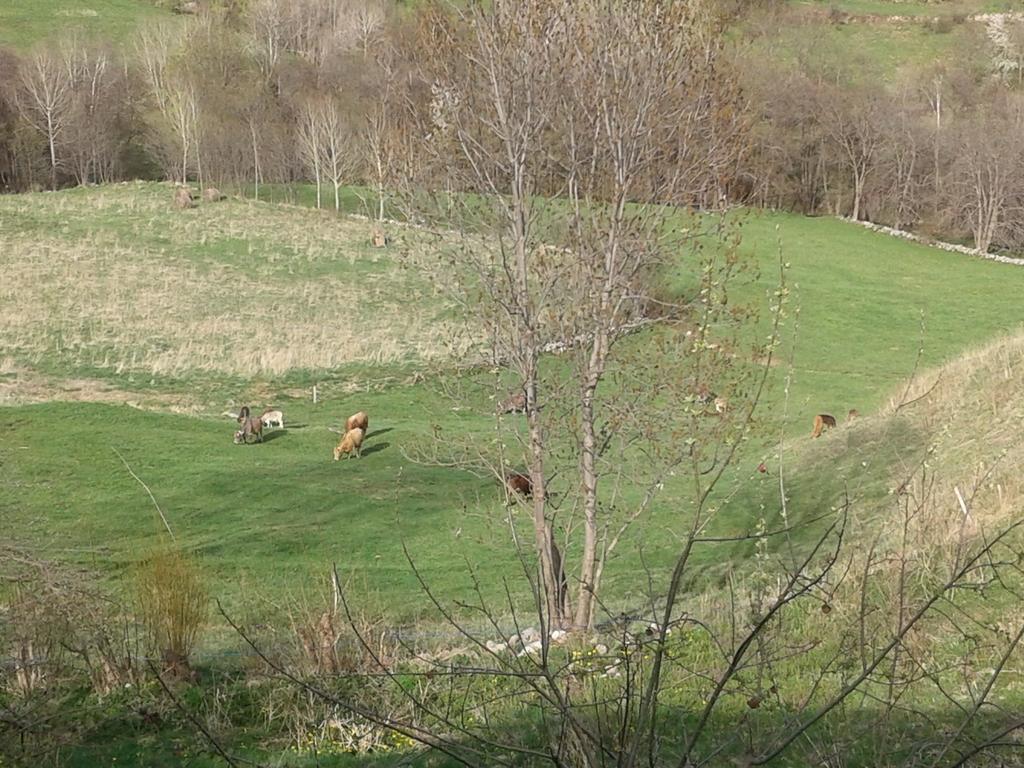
point(24, 23)
point(112, 296)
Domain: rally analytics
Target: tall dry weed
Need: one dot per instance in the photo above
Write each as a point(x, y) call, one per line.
point(173, 605)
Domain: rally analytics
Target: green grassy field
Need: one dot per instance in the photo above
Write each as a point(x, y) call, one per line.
point(77, 263)
point(123, 319)
point(24, 23)
point(867, 54)
point(902, 8)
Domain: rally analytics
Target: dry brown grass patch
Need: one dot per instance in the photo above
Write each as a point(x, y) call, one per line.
point(125, 284)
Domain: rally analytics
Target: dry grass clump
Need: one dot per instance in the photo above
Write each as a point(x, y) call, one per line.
point(124, 284)
point(173, 605)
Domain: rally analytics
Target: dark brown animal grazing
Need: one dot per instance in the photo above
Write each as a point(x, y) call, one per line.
point(514, 404)
point(357, 421)
point(822, 422)
point(182, 198)
point(212, 195)
point(251, 427)
point(243, 414)
point(518, 484)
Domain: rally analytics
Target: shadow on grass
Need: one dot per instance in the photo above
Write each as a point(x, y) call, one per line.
point(268, 436)
point(375, 448)
point(862, 740)
point(378, 432)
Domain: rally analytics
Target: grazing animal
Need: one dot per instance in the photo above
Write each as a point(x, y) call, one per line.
point(251, 427)
point(352, 442)
point(272, 417)
point(212, 195)
point(357, 421)
point(243, 414)
point(822, 422)
point(514, 404)
point(379, 239)
point(518, 484)
point(853, 414)
point(182, 198)
point(721, 405)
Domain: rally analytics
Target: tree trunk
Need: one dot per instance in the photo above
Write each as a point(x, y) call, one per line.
point(51, 140)
point(588, 477)
point(255, 161)
point(858, 192)
point(380, 189)
point(550, 583)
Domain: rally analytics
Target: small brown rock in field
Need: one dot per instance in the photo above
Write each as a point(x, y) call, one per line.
point(212, 195)
point(182, 198)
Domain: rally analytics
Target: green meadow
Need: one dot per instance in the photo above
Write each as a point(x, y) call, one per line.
point(129, 329)
point(24, 23)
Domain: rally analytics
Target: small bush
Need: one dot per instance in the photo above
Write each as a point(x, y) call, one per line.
point(173, 605)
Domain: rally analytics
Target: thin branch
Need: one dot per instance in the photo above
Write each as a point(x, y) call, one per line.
point(151, 496)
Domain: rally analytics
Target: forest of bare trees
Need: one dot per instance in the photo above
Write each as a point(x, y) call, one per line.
point(311, 91)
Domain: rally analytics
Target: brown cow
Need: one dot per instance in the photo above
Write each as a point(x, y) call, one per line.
point(822, 422)
point(518, 484)
point(513, 404)
point(352, 442)
point(357, 421)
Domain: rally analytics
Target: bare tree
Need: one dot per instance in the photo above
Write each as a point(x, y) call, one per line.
point(309, 132)
point(368, 19)
point(336, 145)
point(984, 181)
point(852, 119)
point(382, 133)
point(173, 93)
point(269, 38)
point(608, 110)
point(45, 100)
point(902, 159)
point(96, 126)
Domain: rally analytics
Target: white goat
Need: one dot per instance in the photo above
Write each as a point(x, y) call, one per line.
point(272, 417)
